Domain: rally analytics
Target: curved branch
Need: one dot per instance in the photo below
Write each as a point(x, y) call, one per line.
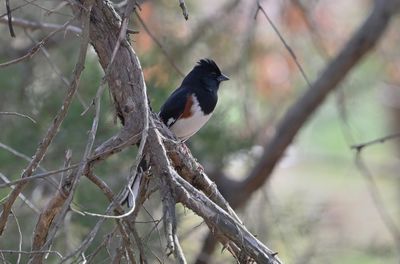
point(295, 118)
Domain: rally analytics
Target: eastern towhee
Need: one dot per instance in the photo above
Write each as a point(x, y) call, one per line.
point(189, 107)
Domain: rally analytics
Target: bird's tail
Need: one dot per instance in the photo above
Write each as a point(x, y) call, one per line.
point(132, 192)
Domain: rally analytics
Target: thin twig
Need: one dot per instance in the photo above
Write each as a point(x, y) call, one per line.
point(75, 176)
point(57, 70)
point(18, 7)
point(18, 154)
point(21, 195)
point(360, 147)
point(46, 141)
point(362, 42)
point(184, 9)
point(112, 216)
point(49, 11)
point(34, 25)
point(20, 236)
point(89, 238)
point(18, 114)
point(41, 238)
point(29, 159)
point(170, 59)
point(37, 176)
point(377, 198)
point(9, 17)
point(289, 49)
point(31, 252)
point(35, 48)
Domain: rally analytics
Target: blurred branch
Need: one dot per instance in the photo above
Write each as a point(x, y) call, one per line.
point(20, 236)
point(238, 193)
point(35, 48)
point(34, 25)
point(18, 114)
point(313, 29)
point(31, 252)
point(22, 196)
point(182, 5)
point(374, 190)
point(57, 70)
point(51, 132)
point(9, 19)
point(205, 24)
point(163, 50)
point(298, 114)
point(381, 140)
point(288, 48)
point(18, 7)
point(49, 214)
point(37, 176)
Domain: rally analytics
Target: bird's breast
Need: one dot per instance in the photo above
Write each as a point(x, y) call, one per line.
point(192, 119)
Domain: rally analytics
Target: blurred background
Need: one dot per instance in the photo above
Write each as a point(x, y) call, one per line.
point(317, 206)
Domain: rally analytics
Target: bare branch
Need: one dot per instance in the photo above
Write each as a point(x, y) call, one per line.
point(50, 134)
point(22, 196)
point(16, 153)
point(218, 220)
point(35, 48)
point(381, 140)
point(18, 7)
point(37, 176)
point(389, 222)
point(31, 252)
point(34, 25)
point(47, 217)
point(9, 17)
point(18, 114)
point(356, 48)
point(182, 5)
point(57, 70)
point(20, 236)
point(289, 49)
point(158, 43)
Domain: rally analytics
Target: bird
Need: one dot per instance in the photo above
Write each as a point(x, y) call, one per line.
point(192, 104)
point(185, 111)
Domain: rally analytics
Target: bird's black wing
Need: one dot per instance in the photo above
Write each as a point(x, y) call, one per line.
point(173, 108)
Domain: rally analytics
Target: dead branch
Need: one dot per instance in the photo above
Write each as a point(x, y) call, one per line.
point(50, 134)
point(127, 88)
point(36, 47)
point(9, 17)
point(21, 196)
point(35, 25)
point(218, 220)
point(185, 12)
point(48, 215)
point(18, 114)
point(381, 140)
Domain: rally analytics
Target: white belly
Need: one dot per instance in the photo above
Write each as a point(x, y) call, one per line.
point(184, 128)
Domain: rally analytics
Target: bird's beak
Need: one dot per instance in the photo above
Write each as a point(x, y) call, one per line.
point(223, 77)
